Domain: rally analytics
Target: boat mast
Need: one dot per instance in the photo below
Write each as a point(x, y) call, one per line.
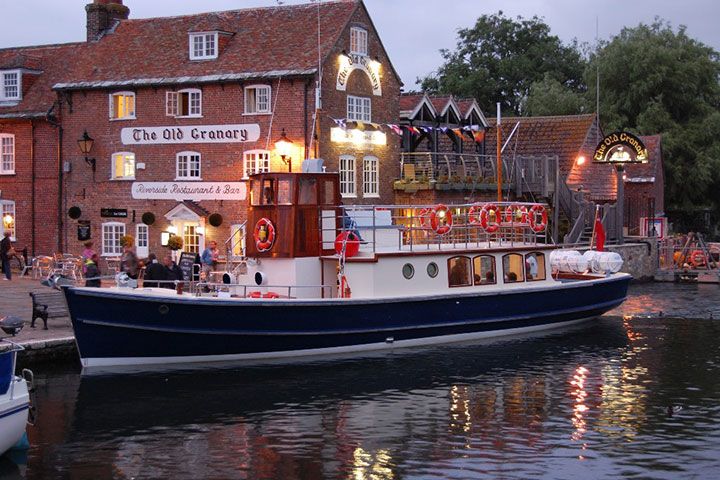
point(499, 157)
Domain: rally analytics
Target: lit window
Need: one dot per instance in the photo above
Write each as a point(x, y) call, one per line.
point(185, 103)
point(484, 270)
point(7, 154)
point(191, 238)
point(257, 99)
point(358, 108)
point(358, 41)
point(122, 105)
point(370, 177)
point(237, 240)
point(188, 166)
point(10, 88)
point(123, 166)
point(535, 266)
point(7, 208)
point(347, 176)
point(255, 161)
point(459, 271)
point(203, 46)
point(513, 268)
point(112, 232)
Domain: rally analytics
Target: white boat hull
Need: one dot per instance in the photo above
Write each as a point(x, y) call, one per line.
point(14, 408)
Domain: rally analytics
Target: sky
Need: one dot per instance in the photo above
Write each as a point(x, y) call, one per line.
point(413, 31)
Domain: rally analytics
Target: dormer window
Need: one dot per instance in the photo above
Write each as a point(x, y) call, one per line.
point(203, 46)
point(185, 103)
point(257, 99)
point(10, 87)
point(358, 41)
point(122, 106)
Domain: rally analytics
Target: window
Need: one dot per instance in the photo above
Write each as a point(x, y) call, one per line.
point(7, 207)
point(535, 266)
point(122, 105)
point(10, 88)
point(370, 177)
point(358, 41)
point(459, 270)
point(257, 99)
point(7, 154)
point(187, 166)
point(513, 268)
point(123, 166)
point(484, 270)
point(432, 269)
point(185, 103)
point(237, 244)
point(358, 108)
point(408, 271)
point(191, 239)
point(203, 46)
point(347, 176)
point(111, 234)
point(255, 161)
point(141, 240)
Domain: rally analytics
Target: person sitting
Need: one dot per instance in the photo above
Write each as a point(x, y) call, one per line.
point(511, 277)
point(92, 272)
point(489, 277)
point(153, 272)
point(172, 271)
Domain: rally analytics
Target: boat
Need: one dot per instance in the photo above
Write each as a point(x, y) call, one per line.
point(321, 278)
point(15, 404)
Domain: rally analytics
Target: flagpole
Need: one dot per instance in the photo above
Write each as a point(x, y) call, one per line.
point(499, 156)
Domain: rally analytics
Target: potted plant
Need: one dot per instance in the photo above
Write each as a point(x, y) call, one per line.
point(175, 242)
point(442, 183)
point(127, 241)
point(423, 183)
point(457, 182)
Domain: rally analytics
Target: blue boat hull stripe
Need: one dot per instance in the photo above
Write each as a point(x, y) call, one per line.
point(15, 410)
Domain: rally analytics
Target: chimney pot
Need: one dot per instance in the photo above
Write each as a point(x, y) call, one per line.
point(102, 15)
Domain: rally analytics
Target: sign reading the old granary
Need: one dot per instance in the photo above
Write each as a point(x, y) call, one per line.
point(113, 212)
point(190, 134)
point(621, 147)
point(351, 62)
point(189, 190)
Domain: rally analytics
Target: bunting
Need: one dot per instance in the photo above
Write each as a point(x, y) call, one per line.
point(472, 132)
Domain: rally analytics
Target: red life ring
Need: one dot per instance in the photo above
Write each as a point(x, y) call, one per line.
point(490, 210)
point(697, 258)
point(254, 295)
point(271, 295)
point(538, 226)
point(424, 216)
point(352, 244)
point(264, 235)
point(516, 214)
point(441, 219)
point(474, 214)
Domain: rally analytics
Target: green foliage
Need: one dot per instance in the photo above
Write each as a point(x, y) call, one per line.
point(175, 242)
point(550, 97)
point(127, 241)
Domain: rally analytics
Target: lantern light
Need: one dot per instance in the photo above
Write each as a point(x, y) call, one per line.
point(284, 149)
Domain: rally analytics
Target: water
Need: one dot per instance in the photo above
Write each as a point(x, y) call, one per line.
point(632, 397)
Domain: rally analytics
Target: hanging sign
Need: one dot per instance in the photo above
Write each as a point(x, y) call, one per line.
point(189, 190)
point(83, 230)
point(190, 134)
point(621, 147)
point(351, 62)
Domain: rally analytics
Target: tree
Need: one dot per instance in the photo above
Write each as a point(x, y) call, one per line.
point(550, 97)
point(499, 59)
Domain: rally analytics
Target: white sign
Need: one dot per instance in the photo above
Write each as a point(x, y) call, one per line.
point(189, 190)
point(351, 62)
point(190, 134)
point(358, 137)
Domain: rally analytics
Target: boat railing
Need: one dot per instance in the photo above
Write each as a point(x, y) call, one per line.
point(231, 288)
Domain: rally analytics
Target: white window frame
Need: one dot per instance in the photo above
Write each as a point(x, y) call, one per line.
point(189, 246)
point(185, 172)
point(371, 182)
point(126, 96)
point(359, 108)
point(253, 108)
point(8, 206)
point(113, 159)
point(111, 246)
point(348, 185)
point(173, 103)
point(142, 240)
point(204, 39)
point(7, 154)
point(252, 163)
point(358, 41)
point(4, 75)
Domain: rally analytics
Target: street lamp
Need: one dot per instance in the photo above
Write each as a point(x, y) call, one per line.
point(86, 144)
point(284, 149)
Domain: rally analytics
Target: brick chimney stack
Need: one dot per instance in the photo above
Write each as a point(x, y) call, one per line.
point(103, 15)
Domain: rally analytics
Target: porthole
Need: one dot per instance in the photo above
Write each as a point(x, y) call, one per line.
point(163, 309)
point(408, 271)
point(432, 269)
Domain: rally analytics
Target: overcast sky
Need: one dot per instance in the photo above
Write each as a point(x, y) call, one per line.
point(413, 31)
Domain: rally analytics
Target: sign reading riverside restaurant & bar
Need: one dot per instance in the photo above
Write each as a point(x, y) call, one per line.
point(190, 134)
point(189, 191)
point(620, 147)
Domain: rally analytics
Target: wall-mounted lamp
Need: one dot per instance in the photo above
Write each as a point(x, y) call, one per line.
point(284, 149)
point(165, 238)
point(86, 144)
point(580, 160)
point(8, 220)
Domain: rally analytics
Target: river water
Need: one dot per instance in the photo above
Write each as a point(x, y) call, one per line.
point(634, 394)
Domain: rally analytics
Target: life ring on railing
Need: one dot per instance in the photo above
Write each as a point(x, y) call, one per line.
point(489, 217)
point(351, 241)
point(474, 214)
point(535, 225)
point(264, 235)
point(254, 295)
point(424, 217)
point(516, 214)
point(697, 258)
point(271, 295)
point(441, 220)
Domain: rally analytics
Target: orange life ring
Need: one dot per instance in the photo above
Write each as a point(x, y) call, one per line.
point(474, 214)
point(271, 295)
point(424, 216)
point(254, 295)
point(441, 220)
point(697, 258)
point(535, 225)
point(489, 217)
point(516, 214)
point(264, 235)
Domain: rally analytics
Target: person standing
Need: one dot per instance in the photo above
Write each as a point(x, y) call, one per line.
point(129, 262)
point(209, 259)
point(92, 272)
point(154, 272)
point(87, 254)
point(6, 253)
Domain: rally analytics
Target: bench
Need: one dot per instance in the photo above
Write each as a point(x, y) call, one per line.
point(46, 305)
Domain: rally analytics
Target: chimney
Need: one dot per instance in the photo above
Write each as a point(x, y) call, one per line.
point(103, 15)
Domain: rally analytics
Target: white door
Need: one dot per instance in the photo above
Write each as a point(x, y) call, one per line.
point(141, 240)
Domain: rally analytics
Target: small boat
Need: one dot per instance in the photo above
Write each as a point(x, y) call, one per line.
point(14, 391)
point(320, 278)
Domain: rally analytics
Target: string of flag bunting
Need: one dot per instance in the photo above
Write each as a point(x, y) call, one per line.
point(473, 132)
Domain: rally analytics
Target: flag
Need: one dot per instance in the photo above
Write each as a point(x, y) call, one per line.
point(457, 132)
point(479, 136)
point(599, 235)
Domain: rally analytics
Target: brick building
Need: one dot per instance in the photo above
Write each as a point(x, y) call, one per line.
point(180, 110)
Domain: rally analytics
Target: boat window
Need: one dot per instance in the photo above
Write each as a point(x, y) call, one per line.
point(284, 193)
point(432, 269)
point(513, 268)
point(268, 193)
point(307, 193)
point(484, 270)
point(255, 192)
point(329, 192)
point(535, 266)
point(408, 271)
point(459, 270)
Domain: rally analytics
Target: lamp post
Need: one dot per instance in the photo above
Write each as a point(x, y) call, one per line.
point(86, 144)
point(284, 149)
